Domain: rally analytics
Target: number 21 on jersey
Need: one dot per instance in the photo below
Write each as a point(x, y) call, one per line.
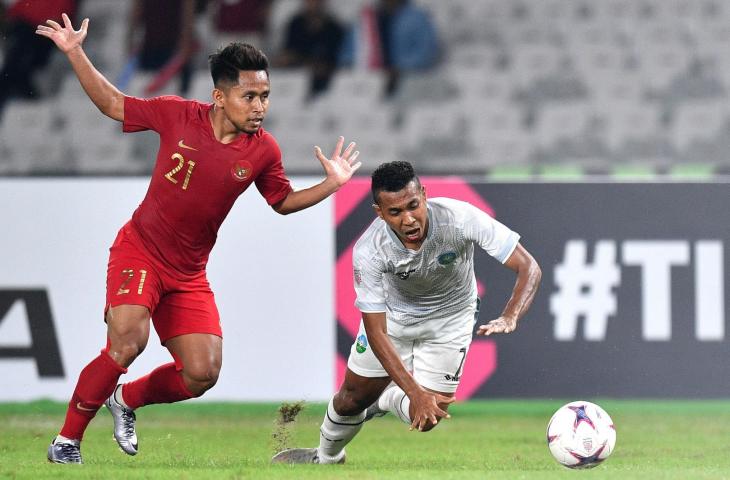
point(180, 163)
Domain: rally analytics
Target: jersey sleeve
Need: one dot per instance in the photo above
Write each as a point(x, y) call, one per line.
point(272, 183)
point(492, 236)
point(368, 279)
point(152, 113)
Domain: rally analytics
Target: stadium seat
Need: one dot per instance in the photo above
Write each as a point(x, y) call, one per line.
point(530, 62)
point(432, 122)
point(596, 61)
point(109, 155)
point(559, 121)
point(361, 89)
point(289, 88)
point(139, 83)
point(498, 137)
point(623, 122)
point(695, 121)
point(30, 134)
point(478, 85)
point(201, 86)
point(659, 64)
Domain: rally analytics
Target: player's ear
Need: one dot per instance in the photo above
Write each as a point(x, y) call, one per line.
point(218, 97)
point(377, 209)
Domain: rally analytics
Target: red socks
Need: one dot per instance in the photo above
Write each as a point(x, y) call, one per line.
point(96, 382)
point(164, 384)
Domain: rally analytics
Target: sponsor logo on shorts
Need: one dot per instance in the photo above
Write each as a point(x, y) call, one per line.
point(241, 170)
point(447, 258)
point(361, 344)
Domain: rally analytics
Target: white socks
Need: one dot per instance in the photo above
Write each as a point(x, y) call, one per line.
point(61, 439)
point(395, 400)
point(118, 396)
point(336, 432)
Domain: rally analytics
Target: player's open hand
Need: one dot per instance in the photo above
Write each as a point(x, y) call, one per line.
point(65, 38)
point(342, 165)
point(498, 325)
point(427, 411)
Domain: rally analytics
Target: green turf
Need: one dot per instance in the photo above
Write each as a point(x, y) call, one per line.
point(697, 172)
point(510, 173)
point(561, 173)
point(634, 172)
point(493, 439)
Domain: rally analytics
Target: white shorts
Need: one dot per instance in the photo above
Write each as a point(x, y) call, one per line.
point(436, 363)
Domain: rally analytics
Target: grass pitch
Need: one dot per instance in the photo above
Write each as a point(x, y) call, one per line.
point(488, 439)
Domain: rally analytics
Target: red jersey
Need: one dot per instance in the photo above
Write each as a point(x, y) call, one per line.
point(196, 178)
point(37, 12)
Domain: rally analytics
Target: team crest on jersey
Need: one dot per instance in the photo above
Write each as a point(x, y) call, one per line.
point(358, 276)
point(241, 170)
point(447, 258)
point(361, 344)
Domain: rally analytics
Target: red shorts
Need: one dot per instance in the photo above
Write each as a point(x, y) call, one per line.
point(179, 304)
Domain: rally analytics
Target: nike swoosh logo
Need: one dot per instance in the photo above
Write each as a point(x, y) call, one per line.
point(182, 145)
point(78, 405)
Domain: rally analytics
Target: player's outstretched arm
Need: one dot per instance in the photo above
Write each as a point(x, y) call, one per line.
point(424, 403)
point(339, 169)
point(105, 96)
point(526, 285)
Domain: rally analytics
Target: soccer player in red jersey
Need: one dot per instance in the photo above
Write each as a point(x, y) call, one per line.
point(209, 154)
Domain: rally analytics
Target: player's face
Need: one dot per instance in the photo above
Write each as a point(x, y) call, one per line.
point(405, 213)
point(245, 104)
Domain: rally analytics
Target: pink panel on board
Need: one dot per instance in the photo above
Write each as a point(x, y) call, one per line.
point(481, 362)
point(457, 188)
point(347, 313)
point(340, 367)
point(349, 196)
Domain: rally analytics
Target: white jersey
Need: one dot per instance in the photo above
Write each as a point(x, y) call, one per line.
point(435, 282)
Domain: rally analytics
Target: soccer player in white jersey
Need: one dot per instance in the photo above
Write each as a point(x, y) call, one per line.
point(416, 289)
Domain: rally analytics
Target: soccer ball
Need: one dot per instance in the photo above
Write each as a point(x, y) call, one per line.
point(581, 435)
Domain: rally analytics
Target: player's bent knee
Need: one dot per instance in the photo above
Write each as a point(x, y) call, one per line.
point(347, 404)
point(199, 378)
point(125, 353)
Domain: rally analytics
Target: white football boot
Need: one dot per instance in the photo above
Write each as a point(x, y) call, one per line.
point(124, 422)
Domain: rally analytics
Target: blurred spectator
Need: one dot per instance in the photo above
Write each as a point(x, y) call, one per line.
point(161, 34)
point(26, 52)
point(313, 39)
point(240, 21)
point(396, 36)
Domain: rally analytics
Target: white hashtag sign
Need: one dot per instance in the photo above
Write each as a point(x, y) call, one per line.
point(585, 290)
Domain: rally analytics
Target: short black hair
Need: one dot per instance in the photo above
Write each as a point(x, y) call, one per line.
point(392, 177)
point(227, 62)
